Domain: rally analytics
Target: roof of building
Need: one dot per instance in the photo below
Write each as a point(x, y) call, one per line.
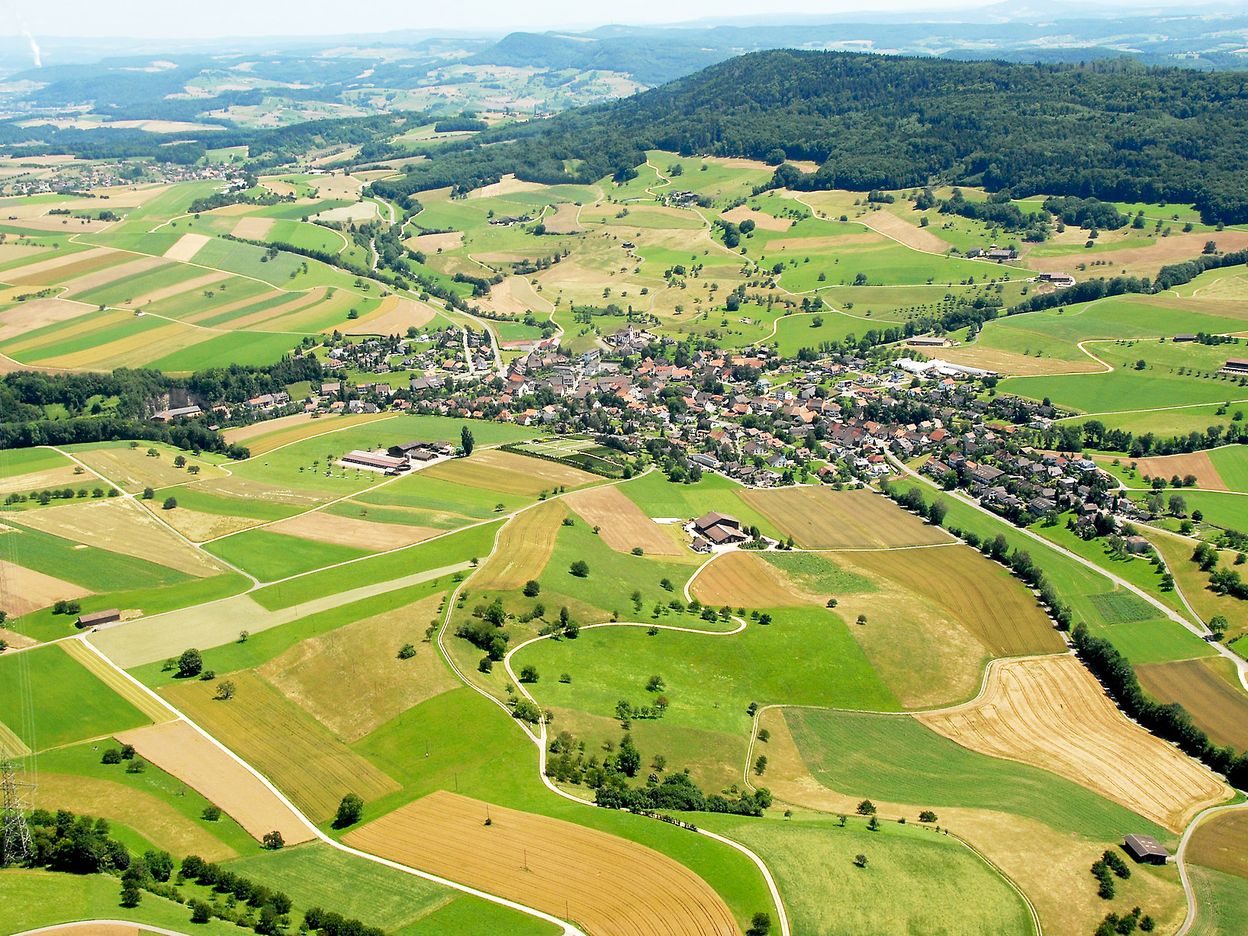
point(1142, 845)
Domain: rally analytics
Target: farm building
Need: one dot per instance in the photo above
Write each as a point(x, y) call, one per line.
point(1145, 849)
point(719, 529)
point(1060, 280)
point(96, 618)
point(927, 341)
point(372, 460)
point(416, 451)
point(1235, 366)
point(178, 412)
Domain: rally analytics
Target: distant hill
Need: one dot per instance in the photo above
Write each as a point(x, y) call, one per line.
point(1111, 130)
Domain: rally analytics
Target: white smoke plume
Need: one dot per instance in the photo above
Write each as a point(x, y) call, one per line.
point(35, 52)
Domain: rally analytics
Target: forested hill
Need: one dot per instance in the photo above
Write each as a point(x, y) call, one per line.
point(1114, 130)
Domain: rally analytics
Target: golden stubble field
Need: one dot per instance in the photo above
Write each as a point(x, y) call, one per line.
point(1050, 712)
point(608, 885)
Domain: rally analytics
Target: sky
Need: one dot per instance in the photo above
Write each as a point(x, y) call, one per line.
point(184, 19)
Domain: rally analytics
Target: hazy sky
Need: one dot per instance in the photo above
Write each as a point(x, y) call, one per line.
point(187, 19)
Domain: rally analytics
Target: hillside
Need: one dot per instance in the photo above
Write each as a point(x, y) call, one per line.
point(1111, 130)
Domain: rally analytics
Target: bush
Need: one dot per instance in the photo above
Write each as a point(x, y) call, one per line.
point(580, 568)
point(532, 588)
point(407, 651)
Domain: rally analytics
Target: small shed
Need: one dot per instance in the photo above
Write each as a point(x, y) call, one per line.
point(1145, 849)
point(96, 618)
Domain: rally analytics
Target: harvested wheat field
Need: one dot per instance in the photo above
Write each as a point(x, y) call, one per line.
point(293, 750)
point(112, 274)
point(564, 220)
point(761, 219)
point(199, 526)
point(507, 185)
point(124, 527)
point(177, 289)
point(1221, 842)
point(28, 316)
point(621, 523)
point(23, 590)
point(44, 272)
point(744, 579)
point(252, 228)
point(274, 433)
point(509, 473)
point(352, 531)
point(132, 469)
point(608, 885)
point(820, 518)
point(1163, 250)
point(351, 679)
point(1214, 700)
point(1010, 362)
point(514, 296)
point(432, 243)
point(979, 594)
point(178, 749)
point(902, 231)
point(1189, 463)
point(524, 547)
point(39, 480)
point(394, 316)
point(153, 818)
point(186, 247)
point(1053, 714)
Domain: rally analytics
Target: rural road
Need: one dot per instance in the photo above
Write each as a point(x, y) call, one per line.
point(539, 738)
point(1241, 665)
point(1180, 860)
point(566, 928)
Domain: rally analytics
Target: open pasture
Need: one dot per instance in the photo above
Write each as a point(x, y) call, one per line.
point(70, 702)
point(524, 548)
point(297, 753)
point(1209, 690)
point(621, 523)
point(820, 518)
point(133, 469)
point(125, 527)
point(509, 473)
point(180, 750)
point(1053, 714)
point(351, 680)
point(263, 437)
point(609, 885)
point(270, 555)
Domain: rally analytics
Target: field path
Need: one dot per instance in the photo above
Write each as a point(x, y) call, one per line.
point(566, 928)
point(1201, 631)
point(539, 738)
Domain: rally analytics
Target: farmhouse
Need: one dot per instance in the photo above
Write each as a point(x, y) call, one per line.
point(1145, 849)
point(418, 451)
point(1060, 280)
point(178, 412)
point(719, 529)
point(1235, 366)
point(96, 618)
point(375, 462)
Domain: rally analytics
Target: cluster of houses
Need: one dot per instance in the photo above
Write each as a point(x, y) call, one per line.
point(1029, 482)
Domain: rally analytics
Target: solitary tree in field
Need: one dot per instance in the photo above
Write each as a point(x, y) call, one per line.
point(349, 811)
point(866, 808)
point(273, 840)
point(760, 765)
point(170, 503)
point(532, 588)
point(466, 441)
point(860, 860)
point(528, 674)
point(760, 925)
point(580, 568)
point(225, 690)
point(190, 663)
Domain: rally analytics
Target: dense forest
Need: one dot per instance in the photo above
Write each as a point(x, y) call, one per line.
point(1110, 130)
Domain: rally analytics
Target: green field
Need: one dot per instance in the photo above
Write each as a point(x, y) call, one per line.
point(899, 760)
point(272, 556)
point(48, 699)
point(916, 880)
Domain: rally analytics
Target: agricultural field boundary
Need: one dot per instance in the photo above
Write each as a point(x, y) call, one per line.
point(539, 739)
point(566, 928)
point(1241, 665)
